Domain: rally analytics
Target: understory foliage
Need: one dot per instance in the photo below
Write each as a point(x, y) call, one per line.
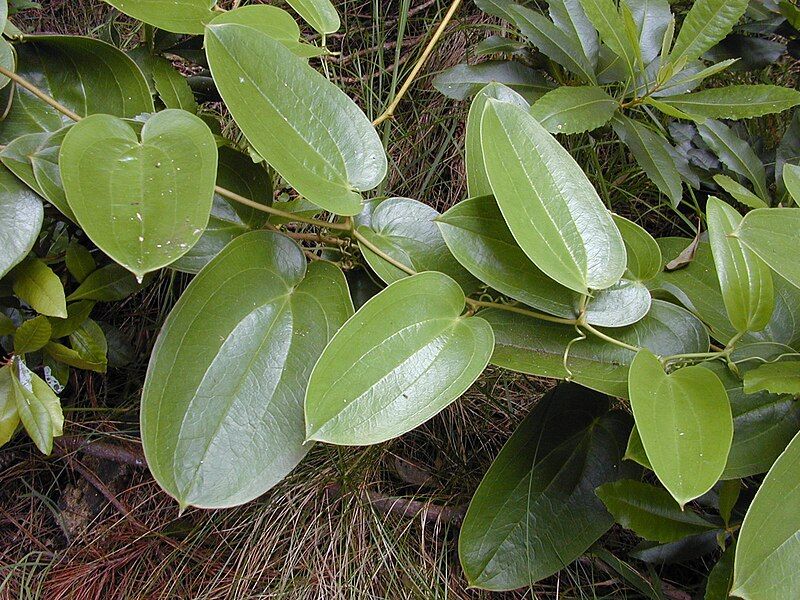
point(677, 417)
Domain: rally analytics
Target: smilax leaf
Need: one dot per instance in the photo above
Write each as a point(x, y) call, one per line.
point(155, 193)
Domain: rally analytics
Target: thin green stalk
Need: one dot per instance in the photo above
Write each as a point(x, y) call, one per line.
point(521, 311)
point(21, 81)
point(364, 241)
point(608, 338)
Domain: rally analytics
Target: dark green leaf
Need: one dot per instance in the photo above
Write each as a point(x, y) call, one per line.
point(720, 579)
point(172, 87)
point(108, 284)
point(77, 313)
point(569, 17)
point(80, 262)
point(611, 25)
point(735, 153)
point(652, 18)
point(462, 81)
point(21, 216)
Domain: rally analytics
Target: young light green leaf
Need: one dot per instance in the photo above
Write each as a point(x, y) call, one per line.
point(735, 153)
point(21, 215)
point(465, 80)
point(405, 230)
point(650, 511)
point(535, 510)
point(479, 238)
point(735, 101)
point(707, 23)
point(545, 349)
point(745, 280)
point(574, 109)
point(77, 313)
point(771, 233)
point(768, 548)
point(652, 151)
point(612, 26)
point(38, 407)
point(172, 87)
point(320, 14)
point(548, 202)
point(477, 180)
point(777, 378)
point(36, 283)
point(219, 430)
point(316, 138)
point(158, 191)
point(644, 254)
point(422, 355)
point(177, 16)
point(739, 192)
point(9, 417)
point(32, 335)
point(684, 420)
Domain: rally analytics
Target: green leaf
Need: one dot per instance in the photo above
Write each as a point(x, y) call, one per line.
point(464, 80)
point(538, 348)
point(8, 58)
point(68, 356)
point(739, 192)
point(684, 420)
point(38, 407)
point(771, 233)
point(574, 109)
point(477, 180)
point(569, 17)
point(535, 510)
point(707, 23)
point(89, 342)
point(405, 230)
point(80, 262)
point(735, 101)
point(9, 417)
point(653, 18)
point(36, 283)
point(177, 16)
point(222, 407)
point(108, 284)
point(768, 548)
point(552, 41)
point(735, 153)
point(548, 202)
point(172, 87)
point(776, 378)
point(611, 25)
point(21, 215)
point(791, 179)
point(422, 355)
point(158, 190)
point(479, 238)
point(316, 138)
point(644, 253)
point(320, 14)
point(651, 512)
point(745, 280)
point(720, 578)
point(652, 152)
point(32, 335)
point(77, 313)
point(86, 75)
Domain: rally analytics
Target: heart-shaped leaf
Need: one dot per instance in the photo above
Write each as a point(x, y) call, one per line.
point(21, 215)
point(402, 358)
point(685, 422)
point(316, 137)
point(548, 202)
point(770, 232)
point(144, 203)
point(222, 407)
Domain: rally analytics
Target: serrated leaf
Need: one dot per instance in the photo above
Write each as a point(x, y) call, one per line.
point(652, 151)
point(538, 348)
point(38, 407)
point(574, 109)
point(707, 23)
point(739, 192)
point(423, 354)
point(219, 430)
point(735, 101)
point(320, 14)
point(535, 510)
point(464, 80)
point(21, 216)
point(777, 378)
point(684, 420)
point(479, 238)
point(32, 335)
point(650, 511)
point(771, 233)
point(172, 87)
point(548, 202)
point(768, 548)
point(158, 190)
point(405, 230)
point(735, 153)
point(177, 16)
point(316, 138)
point(644, 254)
point(37, 284)
point(745, 280)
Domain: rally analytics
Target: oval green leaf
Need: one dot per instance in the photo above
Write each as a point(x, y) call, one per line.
point(177, 16)
point(735, 101)
point(770, 233)
point(36, 284)
point(320, 14)
point(644, 253)
point(574, 109)
point(402, 358)
point(21, 216)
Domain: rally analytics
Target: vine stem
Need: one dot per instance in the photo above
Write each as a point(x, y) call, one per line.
point(365, 242)
point(521, 311)
point(389, 112)
point(21, 81)
point(597, 333)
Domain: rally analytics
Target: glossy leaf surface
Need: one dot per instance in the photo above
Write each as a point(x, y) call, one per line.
point(707, 23)
point(736, 101)
point(776, 378)
point(464, 80)
point(38, 407)
point(177, 16)
point(771, 233)
point(320, 14)
point(644, 253)
point(574, 109)
point(36, 283)
point(402, 358)
point(21, 215)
